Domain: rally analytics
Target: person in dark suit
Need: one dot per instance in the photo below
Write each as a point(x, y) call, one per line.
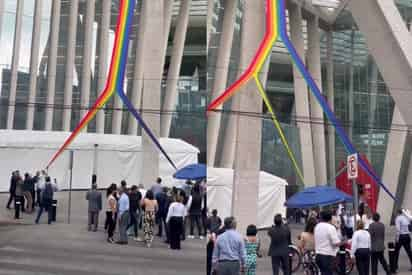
point(377, 232)
point(12, 189)
point(280, 239)
point(94, 198)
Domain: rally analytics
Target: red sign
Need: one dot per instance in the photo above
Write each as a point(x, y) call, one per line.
point(369, 188)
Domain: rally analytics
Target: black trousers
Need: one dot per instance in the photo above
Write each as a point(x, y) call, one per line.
point(378, 256)
point(282, 262)
point(325, 264)
point(195, 219)
point(133, 222)
point(33, 202)
point(111, 223)
point(175, 231)
point(405, 242)
point(209, 253)
point(363, 260)
point(162, 224)
point(11, 198)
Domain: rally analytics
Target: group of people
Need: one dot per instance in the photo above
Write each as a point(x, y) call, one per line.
point(136, 208)
point(228, 252)
point(30, 192)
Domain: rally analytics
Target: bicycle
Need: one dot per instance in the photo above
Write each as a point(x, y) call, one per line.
point(308, 261)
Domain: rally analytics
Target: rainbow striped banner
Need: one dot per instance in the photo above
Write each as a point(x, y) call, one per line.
point(115, 81)
point(279, 19)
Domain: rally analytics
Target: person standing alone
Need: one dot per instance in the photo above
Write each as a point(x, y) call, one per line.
point(94, 197)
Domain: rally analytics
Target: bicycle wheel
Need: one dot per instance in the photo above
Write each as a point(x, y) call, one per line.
point(295, 258)
point(348, 263)
point(311, 269)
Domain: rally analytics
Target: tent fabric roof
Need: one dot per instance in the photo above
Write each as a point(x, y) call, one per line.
point(86, 141)
point(317, 196)
point(213, 173)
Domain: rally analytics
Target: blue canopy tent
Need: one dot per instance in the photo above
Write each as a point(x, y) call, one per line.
point(191, 172)
point(317, 196)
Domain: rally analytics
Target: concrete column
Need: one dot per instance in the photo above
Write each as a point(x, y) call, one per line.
point(168, 12)
point(15, 64)
point(52, 60)
point(318, 128)
point(34, 61)
point(393, 162)
point(210, 6)
point(153, 16)
point(87, 59)
point(70, 56)
point(302, 98)
point(173, 74)
point(351, 103)
point(249, 132)
point(104, 27)
point(221, 75)
point(138, 71)
point(331, 100)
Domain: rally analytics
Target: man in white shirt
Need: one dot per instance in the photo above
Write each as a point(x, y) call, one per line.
point(327, 243)
point(403, 238)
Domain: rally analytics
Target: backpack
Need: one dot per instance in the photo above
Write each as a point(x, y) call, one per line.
point(48, 192)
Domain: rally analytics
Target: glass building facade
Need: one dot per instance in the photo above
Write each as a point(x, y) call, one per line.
point(19, 16)
point(361, 99)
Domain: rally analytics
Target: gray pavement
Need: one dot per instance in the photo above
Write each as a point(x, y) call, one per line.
point(66, 249)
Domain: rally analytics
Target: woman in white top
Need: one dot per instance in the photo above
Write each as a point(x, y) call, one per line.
point(361, 246)
point(174, 219)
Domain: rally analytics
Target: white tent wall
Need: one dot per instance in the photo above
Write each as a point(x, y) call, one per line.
point(119, 157)
point(271, 199)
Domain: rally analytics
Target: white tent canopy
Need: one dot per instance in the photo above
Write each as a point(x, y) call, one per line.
point(271, 199)
point(118, 157)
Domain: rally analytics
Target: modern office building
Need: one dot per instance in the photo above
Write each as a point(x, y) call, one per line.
point(358, 52)
point(55, 56)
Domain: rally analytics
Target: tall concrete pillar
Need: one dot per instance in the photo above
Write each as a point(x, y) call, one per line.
point(138, 69)
point(70, 56)
point(139, 64)
point(173, 74)
point(103, 58)
point(210, 6)
point(15, 64)
point(331, 100)
point(34, 61)
point(51, 65)
point(318, 129)
point(153, 16)
point(393, 162)
point(87, 60)
point(221, 75)
point(302, 98)
point(249, 132)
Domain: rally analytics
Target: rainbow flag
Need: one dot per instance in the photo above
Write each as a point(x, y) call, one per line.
point(115, 80)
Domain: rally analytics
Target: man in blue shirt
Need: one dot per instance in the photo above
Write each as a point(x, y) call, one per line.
point(229, 254)
point(123, 211)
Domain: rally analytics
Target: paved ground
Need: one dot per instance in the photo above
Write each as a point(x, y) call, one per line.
point(63, 249)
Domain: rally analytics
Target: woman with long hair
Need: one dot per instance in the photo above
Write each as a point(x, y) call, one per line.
point(150, 207)
point(306, 238)
point(111, 210)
